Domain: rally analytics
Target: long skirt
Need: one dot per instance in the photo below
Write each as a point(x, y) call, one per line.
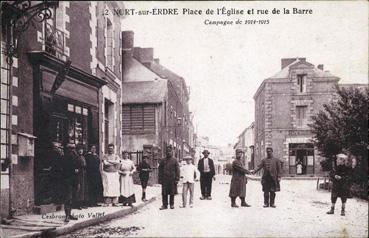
point(127, 192)
point(110, 184)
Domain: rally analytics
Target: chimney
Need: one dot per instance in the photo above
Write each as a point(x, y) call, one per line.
point(144, 55)
point(287, 61)
point(302, 60)
point(127, 43)
point(321, 67)
point(157, 60)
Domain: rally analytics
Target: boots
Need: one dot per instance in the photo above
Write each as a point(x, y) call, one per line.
point(233, 202)
point(243, 202)
point(331, 211)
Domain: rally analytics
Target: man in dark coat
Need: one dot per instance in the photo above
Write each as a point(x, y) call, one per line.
point(169, 175)
point(93, 177)
point(207, 172)
point(271, 177)
point(239, 180)
point(70, 171)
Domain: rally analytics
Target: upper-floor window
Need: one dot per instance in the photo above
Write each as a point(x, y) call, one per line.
point(138, 118)
point(109, 44)
point(301, 82)
point(54, 37)
point(301, 115)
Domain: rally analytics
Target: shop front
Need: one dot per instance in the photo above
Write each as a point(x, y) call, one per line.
point(301, 158)
point(66, 110)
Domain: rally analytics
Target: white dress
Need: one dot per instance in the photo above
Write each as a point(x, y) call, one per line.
point(126, 181)
point(110, 179)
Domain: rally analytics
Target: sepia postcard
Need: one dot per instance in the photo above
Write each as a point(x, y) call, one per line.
point(184, 119)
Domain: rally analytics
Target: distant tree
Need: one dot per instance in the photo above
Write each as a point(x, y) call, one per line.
point(343, 125)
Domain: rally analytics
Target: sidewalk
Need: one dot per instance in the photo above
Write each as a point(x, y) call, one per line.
point(52, 224)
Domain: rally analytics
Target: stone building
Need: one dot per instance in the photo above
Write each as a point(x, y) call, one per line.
point(245, 141)
point(63, 87)
point(284, 104)
point(155, 103)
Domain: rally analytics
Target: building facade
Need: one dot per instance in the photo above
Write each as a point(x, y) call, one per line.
point(284, 104)
point(63, 87)
point(245, 142)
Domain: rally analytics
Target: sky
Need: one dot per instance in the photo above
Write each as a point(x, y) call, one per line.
point(225, 65)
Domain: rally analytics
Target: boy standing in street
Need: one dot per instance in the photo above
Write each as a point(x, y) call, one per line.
point(189, 175)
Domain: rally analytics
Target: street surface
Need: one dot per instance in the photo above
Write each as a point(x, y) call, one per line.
point(301, 212)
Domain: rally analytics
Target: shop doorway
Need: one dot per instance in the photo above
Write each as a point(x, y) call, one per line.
point(301, 158)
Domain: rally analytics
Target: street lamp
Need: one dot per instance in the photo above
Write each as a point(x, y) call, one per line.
point(16, 17)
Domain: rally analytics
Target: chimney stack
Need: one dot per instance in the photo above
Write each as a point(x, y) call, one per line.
point(321, 67)
point(287, 61)
point(127, 43)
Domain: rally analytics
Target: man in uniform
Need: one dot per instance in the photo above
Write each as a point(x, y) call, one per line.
point(271, 177)
point(168, 178)
point(239, 180)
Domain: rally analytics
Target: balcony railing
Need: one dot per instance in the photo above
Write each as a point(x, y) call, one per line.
point(54, 41)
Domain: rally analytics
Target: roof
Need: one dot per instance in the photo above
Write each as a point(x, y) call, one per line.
point(317, 73)
point(144, 92)
point(178, 81)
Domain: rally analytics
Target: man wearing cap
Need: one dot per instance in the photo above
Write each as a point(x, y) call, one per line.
point(207, 172)
point(271, 176)
point(189, 174)
point(168, 178)
point(239, 180)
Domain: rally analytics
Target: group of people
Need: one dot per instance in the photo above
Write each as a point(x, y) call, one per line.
point(88, 181)
point(170, 174)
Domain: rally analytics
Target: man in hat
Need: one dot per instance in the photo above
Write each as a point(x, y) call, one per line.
point(189, 174)
point(144, 170)
point(271, 177)
point(207, 172)
point(168, 178)
point(239, 180)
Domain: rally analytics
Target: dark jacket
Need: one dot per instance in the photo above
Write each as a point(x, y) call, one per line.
point(168, 170)
point(211, 167)
point(341, 187)
point(169, 175)
point(274, 171)
point(144, 170)
point(93, 176)
point(239, 180)
point(70, 170)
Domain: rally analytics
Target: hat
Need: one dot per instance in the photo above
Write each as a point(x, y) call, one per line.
point(205, 152)
point(341, 156)
point(187, 157)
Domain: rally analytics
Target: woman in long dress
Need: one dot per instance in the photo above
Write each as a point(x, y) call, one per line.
point(127, 168)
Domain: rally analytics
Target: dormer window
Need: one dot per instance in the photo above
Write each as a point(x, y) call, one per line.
point(301, 82)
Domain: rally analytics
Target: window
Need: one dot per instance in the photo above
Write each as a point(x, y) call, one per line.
point(138, 118)
point(77, 128)
point(54, 37)
point(301, 115)
point(301, 82)
point(109, 44)
point(108, 123)
point(4, 114)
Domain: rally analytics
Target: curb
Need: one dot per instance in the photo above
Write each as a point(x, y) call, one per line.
point(79, 225)
point(65, 230)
